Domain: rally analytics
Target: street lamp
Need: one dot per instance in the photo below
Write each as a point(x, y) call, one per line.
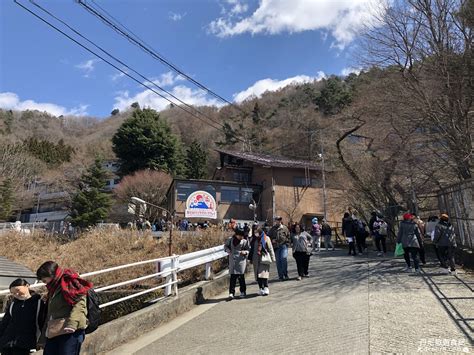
point(140, 202)
point(321, 155)
point(253, 207)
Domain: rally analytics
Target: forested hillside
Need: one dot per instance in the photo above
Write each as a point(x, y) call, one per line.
point(400, 129)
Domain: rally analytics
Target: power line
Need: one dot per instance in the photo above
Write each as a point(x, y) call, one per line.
point(116, 67)
point(116, 25)
point(124, 64)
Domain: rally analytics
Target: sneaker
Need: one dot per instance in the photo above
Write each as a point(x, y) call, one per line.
point(261, 292)
point(286, 277)
point(445, 271)
point(418, 271)
point(231, 296)
point(266, 291)
point(359, 254)
point(453, 272)
point(281, 279)
point(242, 295)
point(298, 278)
point(307, 275)
point(408, 269)
point(379, 254)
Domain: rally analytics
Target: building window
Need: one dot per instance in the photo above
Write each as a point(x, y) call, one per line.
point(230, 194)
point(184, 190)
point(301, 181)
point(246, 194)
point(241, 176)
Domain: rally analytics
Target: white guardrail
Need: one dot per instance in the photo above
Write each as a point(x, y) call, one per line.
point(167, 267)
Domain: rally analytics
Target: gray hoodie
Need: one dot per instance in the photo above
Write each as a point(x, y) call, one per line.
point(409, 234)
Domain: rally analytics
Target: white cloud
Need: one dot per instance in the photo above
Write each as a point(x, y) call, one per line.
point(349, 70)
point(11, 101)
point(342, 18)
point(87, 67)
point(168, 79)
point(264, 85)
point(148, 98)
point(117, 76)
point(175, 16)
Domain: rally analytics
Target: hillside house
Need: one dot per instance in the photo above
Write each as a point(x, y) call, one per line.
point(290, 188)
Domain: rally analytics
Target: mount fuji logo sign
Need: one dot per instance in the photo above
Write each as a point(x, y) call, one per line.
point(201, 204)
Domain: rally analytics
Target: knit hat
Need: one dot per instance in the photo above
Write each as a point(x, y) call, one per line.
point(407, 216)
point(314, 220)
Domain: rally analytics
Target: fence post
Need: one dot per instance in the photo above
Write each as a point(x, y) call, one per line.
point(208, 274)
point(174, 274)
point(165, 267)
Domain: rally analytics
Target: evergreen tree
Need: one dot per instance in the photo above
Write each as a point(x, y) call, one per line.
point(6, 199)
point(145, 141)
point(91, 204)
point(335, 95)
point(196, 161)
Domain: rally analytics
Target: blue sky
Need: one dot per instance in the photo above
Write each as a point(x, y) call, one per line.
point(238, 48)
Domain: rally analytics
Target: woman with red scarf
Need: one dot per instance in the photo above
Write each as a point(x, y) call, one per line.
point(67, 309)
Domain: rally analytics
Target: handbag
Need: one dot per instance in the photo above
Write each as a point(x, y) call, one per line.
point(56, 327)
point(266, 259)
point(399, 250)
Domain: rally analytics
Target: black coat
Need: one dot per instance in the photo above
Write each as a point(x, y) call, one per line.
point(348, 227)
point(22, 323)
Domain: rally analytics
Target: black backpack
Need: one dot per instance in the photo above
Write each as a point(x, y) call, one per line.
point(93, 311)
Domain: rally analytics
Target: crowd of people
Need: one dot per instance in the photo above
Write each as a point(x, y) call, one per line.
point(262, 245)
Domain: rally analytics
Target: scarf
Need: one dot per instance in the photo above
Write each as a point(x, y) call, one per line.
point(72, 287)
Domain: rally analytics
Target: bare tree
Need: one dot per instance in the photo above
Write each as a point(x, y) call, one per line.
point(149, 185)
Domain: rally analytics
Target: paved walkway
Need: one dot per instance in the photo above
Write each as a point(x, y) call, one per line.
point(354, 305)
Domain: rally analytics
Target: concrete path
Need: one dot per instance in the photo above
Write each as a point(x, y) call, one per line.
point(355, 305)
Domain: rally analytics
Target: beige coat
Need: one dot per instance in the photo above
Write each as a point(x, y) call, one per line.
point(262, 270)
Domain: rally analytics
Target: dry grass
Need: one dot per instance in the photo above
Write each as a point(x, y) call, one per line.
point(99, 249)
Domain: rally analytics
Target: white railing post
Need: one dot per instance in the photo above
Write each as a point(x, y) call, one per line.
point(175, 267)
point(208, 274)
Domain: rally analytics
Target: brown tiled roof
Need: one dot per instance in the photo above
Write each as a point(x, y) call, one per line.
point(271, 160)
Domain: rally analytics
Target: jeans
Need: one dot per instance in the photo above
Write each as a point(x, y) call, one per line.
point(281, 254)
point(67, 344)
point(262, 283)
point(233, 283)
point(360, 239)
point(327, 242)
point(414, 255)
point(381, 239)
point(422, 254)
point(317, 242)
point(447, 257)
point(302, 262)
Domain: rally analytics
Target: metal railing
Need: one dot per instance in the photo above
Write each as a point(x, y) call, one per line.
point(166, 267)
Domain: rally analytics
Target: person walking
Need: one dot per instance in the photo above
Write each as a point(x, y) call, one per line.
point(280, 237)
point(348, 231)
point(67, 309)
point(301, 251)
point(261, 256)
point(430, 232)
point(361, 235)
point(445, 240)
point(326, 233)
point(238, 249)
point(316, 234)
point(380, 231)
point(409, 236)
point(21, 326)
point(421, 227)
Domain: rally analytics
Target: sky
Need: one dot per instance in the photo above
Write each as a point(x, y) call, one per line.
point(237, 48)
